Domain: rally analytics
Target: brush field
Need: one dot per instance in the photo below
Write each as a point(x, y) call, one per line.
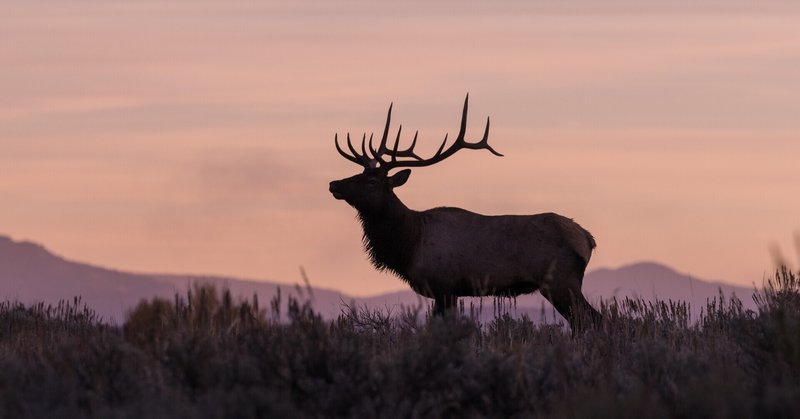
point(206, 355)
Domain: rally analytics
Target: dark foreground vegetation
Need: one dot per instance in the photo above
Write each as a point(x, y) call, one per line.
point(204, 355)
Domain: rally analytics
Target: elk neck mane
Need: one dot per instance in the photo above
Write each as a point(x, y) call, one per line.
point(391, 237)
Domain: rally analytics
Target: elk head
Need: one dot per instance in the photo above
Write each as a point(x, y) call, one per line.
point(371, 190)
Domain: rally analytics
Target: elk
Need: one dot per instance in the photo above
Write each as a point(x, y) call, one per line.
point(445, 253)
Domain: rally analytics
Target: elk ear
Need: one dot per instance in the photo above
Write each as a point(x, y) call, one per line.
point(399, 178)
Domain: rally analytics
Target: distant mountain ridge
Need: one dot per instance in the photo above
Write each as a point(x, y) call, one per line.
point(31, 273)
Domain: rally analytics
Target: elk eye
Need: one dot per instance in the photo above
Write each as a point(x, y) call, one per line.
point(372, 181)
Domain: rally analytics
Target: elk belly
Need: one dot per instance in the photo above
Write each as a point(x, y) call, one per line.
point(470, 269)
point(464, 253)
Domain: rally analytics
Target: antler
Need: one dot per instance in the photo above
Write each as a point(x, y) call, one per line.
point(441, 154)
point(360, 159)
point(394, 153)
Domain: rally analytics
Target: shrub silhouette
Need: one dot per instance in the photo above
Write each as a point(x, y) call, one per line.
point(206, 354)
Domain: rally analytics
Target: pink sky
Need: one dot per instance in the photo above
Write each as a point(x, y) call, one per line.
point(197, 136)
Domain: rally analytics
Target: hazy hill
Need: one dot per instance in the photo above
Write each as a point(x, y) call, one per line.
point(29, 273)
point(650, 279)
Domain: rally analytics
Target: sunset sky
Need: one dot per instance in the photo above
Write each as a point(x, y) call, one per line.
point(197, 136)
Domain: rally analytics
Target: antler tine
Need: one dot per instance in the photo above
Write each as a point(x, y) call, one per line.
point(396, 144)
point(368, 163)
point(378, 154)
point(363, 139)
point(445, 151)
point(371, 148)
point(409, 152)
point(386, 128)
point(339, 149)
point(363, 147)
point(397, 139)
point(442, 153)
point(353, 150)
point(484, 142)
point(441, 147)
point(463, 129)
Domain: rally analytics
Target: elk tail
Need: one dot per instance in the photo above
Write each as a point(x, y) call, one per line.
point(592, 243)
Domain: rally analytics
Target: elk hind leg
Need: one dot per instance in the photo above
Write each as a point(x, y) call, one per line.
point(576, 310)
point(563, 289)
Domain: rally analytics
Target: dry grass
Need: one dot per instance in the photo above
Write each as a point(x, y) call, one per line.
point(205, 355)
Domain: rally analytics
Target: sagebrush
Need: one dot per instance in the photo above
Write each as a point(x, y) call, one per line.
point(206, 355)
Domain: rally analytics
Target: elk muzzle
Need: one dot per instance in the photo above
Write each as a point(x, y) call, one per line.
point(334, 189)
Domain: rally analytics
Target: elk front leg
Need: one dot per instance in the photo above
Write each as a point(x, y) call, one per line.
point(443, 304)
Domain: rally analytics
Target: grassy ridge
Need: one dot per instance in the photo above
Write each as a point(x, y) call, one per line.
point(205, 355)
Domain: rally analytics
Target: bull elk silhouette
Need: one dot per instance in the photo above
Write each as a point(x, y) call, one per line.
point(446, 253)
